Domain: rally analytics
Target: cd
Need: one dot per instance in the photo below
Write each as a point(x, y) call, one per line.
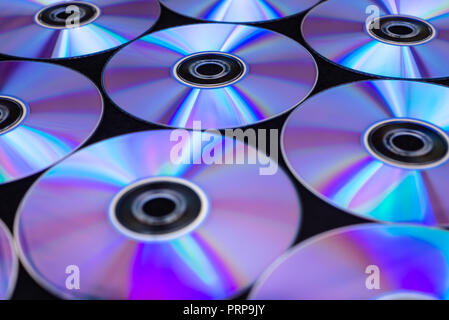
point(134, 224)
point(221, 75)
point(52, 29)
point(239, 10)
point(398, 39)
point(376, 149)
point(46, 112)
point(365, 262)
point(8, 263)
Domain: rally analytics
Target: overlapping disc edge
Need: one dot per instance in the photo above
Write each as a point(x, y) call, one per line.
point(11, 261)
point(239, 11)
point(49, 285)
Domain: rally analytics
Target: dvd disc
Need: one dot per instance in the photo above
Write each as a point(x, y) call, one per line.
point(239, 10)
point(8, 263)
point(135, 225)
point(400, 39)
point(365, 262)
point(46, 29)
point(46, 112)
point(376, 149)
point(222, 75)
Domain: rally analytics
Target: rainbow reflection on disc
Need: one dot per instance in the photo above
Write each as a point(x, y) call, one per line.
point(239, 10)
point(222, 75)
point(376, 149)
point(365, 262)
point(400, 39)
point(52, 29)
point(8, 263)
point(139, 226)
point(46, 112)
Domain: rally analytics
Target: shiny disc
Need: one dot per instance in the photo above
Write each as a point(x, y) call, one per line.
point(400, 39)
point(222, 75)
point(239, 10)
point(8, 263)
point(364, 262)
point(46, 112)
point(249, 220)
point(46, 29)
point(330, 143)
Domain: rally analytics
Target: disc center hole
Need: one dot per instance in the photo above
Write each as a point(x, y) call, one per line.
point(210, 69)
point(400, 30)
point(408, 142)
point(12, 113)
point(159, 207)
point(63, 15)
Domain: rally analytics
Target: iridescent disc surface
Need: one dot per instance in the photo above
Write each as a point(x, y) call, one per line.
point(338, 31)
point(61, 109)
point(116, 22)
point(8, 263)
point(277, 74)
point(239, 10)
point(411, 262)
point(251, 220)
point(323, 144)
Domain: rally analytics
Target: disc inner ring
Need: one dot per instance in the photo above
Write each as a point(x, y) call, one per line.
point(12, 113)
point(401, 30)
point(407, 143)
point(158, 209)
point(67, 15)
point(210, 70)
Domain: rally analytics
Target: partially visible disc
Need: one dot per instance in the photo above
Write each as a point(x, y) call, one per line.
point(46, 112)
point(50, 29)
point(376, 149)
point(222, 75)
point(135, 225)
point(400, 39)
point(239, 10)
point(366, 262)
point(8, 263)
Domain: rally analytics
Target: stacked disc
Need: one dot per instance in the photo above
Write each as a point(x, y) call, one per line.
point(220, 75)
point(363, 262)
point(142, 216)
point(400, 39)
point(57, 29)
point(376, 149)
point(46, 112)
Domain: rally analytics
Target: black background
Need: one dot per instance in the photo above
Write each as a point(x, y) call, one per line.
point(318, 216)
